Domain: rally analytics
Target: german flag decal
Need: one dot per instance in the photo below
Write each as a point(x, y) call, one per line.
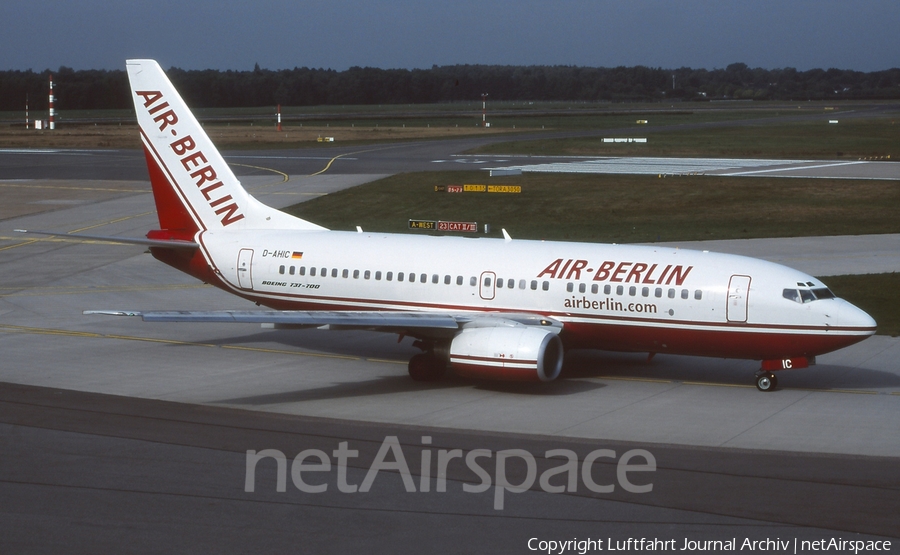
point(297, 255)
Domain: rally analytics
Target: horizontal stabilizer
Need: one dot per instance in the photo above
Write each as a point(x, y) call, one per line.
point(166, 243)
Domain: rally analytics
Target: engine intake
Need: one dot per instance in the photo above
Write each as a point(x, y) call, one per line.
point(519, 353)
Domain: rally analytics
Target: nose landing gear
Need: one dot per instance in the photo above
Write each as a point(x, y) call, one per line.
point(766, 381)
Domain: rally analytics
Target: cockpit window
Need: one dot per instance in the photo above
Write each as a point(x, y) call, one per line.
point(807, 295)
point(791, 295)
point(823, 293)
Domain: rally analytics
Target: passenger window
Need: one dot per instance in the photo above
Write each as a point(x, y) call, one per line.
point(521, 284)
point(473, 281)
point(620, 289)
point(435, 278)
point(499, 283)
point(658, 292)
point(698, 294)
point(291, 270)
point(324, 272)
point(487, 282)
point(645, 292)
point(459, 280)
point(570, 287)
point(281, 269)
point(423, 278)
point(301, 271)
point(545, 286)
point(334, 272)
point(671, 293)
point(355, 274)
point(607, 289)
point(312, 271)
point(595, 288)
point(534, 285)
point(510, 284)
point(632, 291)
point(399, 276)
point(367, 274)
point(447, 280)
point(378, 275)
point(389, 276)
point(345, 273)
point(684, 293)
point(581, 287)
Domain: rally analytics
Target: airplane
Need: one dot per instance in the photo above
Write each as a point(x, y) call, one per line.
point(489, 308)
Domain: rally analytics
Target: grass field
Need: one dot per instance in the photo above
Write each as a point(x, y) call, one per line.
point(848, 139)
point(623, 209)
point(497, 110)
point(233, 137)
point(876, 294)
point(634, 209)
point(248, 128)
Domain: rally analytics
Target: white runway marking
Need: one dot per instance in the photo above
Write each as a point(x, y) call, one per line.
point(831, 165)
point(61, 152)
point(649, 166)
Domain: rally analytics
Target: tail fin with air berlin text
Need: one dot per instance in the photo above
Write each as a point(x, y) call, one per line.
point(193, 187)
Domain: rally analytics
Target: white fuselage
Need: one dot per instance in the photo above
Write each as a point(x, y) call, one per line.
point(615, 297)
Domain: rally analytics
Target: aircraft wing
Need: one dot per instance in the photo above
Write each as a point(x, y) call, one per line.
point(395, 322)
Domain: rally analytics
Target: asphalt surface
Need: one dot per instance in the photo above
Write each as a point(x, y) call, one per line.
point(122, 436)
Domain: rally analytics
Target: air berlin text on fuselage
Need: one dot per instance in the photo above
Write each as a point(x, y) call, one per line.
point(621, 272)
point(195, 163)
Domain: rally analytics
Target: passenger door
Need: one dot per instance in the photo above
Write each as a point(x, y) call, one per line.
point(244, 269)
point(738, 298)
point(486, 285)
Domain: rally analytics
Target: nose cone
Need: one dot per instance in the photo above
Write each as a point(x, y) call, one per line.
point(854, 320)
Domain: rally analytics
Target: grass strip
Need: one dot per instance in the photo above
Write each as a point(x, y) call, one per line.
point(877, 294)
point(619, 209)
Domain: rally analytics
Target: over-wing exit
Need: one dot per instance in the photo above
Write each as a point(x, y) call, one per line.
point(487, 308)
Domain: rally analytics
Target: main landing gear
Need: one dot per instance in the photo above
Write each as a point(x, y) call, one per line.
point(766, 381)
point(427, 367)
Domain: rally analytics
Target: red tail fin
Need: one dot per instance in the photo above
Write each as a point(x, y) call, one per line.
point(173, 216)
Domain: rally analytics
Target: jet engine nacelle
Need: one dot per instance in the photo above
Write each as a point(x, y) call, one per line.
point(521, 353)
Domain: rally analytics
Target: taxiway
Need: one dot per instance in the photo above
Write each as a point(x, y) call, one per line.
point(116, 432)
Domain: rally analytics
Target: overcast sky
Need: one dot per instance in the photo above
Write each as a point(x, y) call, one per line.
point(226, 34)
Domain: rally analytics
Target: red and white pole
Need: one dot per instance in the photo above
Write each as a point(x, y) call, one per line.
point(483, 109)
point(52, 111)
point(279, 117)
point(27, 123)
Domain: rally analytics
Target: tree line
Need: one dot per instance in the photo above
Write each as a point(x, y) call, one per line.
point(103, 89)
